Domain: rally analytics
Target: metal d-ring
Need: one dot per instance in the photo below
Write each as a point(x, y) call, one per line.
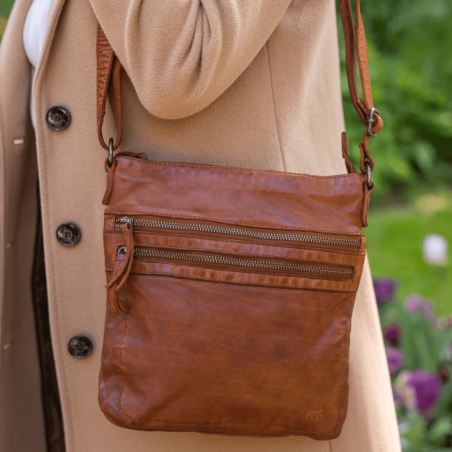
point(370, 182)
point(110, 153)
point(122, 250)
point(371, 120)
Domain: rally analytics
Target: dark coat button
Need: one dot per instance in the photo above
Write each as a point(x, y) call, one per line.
point(58, 118)
point(80, 347)
point(68, 234)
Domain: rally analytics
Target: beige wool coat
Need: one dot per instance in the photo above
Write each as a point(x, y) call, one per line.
point(247, 83)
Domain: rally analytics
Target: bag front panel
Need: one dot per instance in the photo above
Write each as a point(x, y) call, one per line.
point(195, 355)
point(229, 321)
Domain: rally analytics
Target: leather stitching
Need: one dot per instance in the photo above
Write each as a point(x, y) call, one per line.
point(243, 283)
point(227, 168)
point(221, 220)
point(325, 250)
point(329, 278)
point(233, 282)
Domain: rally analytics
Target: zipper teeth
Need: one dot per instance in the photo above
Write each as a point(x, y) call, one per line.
point(145, 252)
point(243, 233)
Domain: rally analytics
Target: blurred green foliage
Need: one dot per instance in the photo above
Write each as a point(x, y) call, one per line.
point(5, 9)
point(410, 44)
point(394, 244)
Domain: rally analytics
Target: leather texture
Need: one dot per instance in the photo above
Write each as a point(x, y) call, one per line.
point(217, 349)
point(221, 332)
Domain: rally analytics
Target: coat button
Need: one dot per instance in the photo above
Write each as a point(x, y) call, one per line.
point(68, 234)
point(58, 118)
point(80, 347)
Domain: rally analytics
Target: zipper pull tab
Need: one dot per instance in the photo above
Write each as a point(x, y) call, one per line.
point(128, 221)
point(113, 297)
point(122, 272)
point(127, 231)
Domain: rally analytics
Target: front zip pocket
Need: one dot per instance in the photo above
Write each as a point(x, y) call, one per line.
point(238, 232)
point(239, 263)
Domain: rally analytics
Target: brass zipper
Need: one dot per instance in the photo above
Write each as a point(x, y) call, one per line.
point(345, 272)
point(354, 243)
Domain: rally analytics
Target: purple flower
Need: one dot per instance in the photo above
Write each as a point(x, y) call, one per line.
point(419, 390)
point(416, 303)
point(385, 290)
point(392, 334)
point(395, 358)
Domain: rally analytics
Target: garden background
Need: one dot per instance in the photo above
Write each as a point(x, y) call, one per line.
point(410, 55)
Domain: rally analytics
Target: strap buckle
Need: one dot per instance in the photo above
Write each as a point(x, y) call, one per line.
point(371, 120)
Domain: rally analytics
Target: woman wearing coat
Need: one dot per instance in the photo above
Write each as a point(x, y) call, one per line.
point(235, 83)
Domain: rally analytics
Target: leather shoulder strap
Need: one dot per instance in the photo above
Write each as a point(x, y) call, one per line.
point(108, 81)
point(356, 47)
point(109, 71)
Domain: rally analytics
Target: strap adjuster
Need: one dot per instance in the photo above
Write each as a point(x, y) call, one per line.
point(371, 120)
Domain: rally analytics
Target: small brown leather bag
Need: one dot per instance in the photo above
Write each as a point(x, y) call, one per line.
point(230, 291)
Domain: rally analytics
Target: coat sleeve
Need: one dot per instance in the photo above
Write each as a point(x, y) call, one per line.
point(183, 54)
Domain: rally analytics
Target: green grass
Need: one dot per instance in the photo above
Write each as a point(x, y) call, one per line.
point(395, 237)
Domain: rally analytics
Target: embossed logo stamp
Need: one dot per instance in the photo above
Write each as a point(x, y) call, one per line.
point(314, 415)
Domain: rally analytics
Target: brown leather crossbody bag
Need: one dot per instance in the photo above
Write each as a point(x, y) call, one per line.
point(230, 291)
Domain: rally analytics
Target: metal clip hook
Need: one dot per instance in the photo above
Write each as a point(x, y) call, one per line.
point(371, 120)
